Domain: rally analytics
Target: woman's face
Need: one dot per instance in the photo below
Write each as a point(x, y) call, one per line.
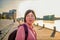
point(30, 18)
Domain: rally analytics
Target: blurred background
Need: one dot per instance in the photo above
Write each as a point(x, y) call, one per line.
point(12, 13)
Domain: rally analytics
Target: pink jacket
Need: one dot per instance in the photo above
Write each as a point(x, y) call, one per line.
point(21, 34)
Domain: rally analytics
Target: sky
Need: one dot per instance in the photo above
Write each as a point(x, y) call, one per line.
point(0, 5)
point(41, 7)
point(7, 5)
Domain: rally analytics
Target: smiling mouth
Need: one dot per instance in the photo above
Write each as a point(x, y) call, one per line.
point(30, 20)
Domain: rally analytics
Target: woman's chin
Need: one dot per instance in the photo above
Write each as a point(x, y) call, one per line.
point(30, 23)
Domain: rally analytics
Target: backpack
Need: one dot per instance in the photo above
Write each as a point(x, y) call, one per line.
point(13, 34)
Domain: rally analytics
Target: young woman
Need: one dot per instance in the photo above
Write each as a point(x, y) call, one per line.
point(28, 20)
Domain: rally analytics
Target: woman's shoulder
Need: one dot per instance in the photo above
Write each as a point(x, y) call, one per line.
point(20, 27)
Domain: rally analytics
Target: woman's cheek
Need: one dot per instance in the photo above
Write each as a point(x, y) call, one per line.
point(30, 20)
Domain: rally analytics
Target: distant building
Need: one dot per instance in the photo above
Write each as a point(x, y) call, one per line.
point(48, 17)
point(12, 14)
point(5, 15)
point(9, 15)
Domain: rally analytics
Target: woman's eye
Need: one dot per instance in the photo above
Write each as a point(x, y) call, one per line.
point(32, 16)
point(27, 15)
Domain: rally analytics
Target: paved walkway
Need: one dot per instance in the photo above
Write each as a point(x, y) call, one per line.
point(4, 23)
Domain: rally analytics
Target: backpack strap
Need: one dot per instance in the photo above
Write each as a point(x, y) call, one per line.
point(26, 31)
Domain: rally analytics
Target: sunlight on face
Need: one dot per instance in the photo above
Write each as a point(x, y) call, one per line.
point(30, 18)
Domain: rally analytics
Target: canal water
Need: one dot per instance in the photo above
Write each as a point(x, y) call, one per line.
point(49, 24)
